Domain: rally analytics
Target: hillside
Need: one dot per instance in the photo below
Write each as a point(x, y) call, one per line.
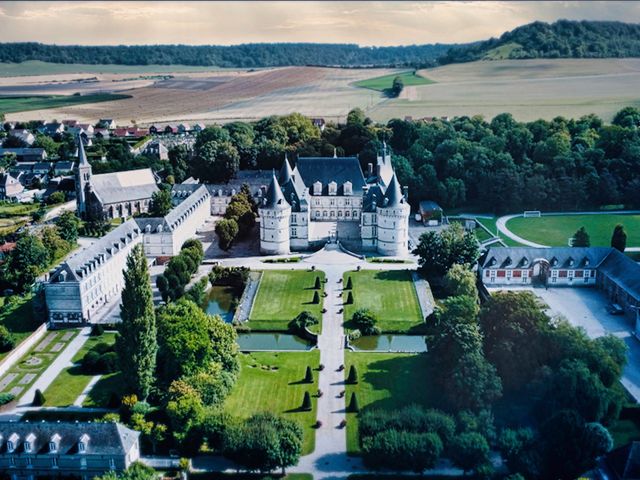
point(562, 39)
point(236, 56)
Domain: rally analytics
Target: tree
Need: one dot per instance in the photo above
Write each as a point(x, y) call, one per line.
point(25, 262)
point(352, 378)
point(55, 198)
point(317, 285)
point(160, 203)
point(50, 146)
point(365, 321)
point(68, 224)
point(460, 280)
point(7, 340)
point(581, 238)
point(316, 298)
point(469, 451)
point(38, 399)
point(303, 320)
point(308, 375)
point(628, 117)
point(179, 160)
point(619, 238)
point(349, 284)
point(396, 87)
point(306, 402)
point(227, 231)
point(353, 404)
point(216, 162)
point(136, 342)
point(439, 251)
point(349, 298)
point(401, 450)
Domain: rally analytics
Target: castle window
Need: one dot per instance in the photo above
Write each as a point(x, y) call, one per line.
point(294, 233)
point(317, 188)
point(347, 214)
point(333, 188)
point(317, 213)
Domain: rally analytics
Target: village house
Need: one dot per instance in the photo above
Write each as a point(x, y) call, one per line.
point(10, 187)
point(25, 154)
point(23, 134)
point(31, 450)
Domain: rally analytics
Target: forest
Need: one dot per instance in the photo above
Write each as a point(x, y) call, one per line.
point(562, 39)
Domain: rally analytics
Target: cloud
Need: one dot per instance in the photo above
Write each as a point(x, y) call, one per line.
point(365, 23)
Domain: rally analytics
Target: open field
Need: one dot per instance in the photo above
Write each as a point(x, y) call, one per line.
point(386, 81)
point(529, 89)
point(386, 381)
point(22, 104)
point(271, 382)
point(282, 295)
point(490, 223)
point(36, 67)
point(389, 294)
point(215, 95)
point(555, 230)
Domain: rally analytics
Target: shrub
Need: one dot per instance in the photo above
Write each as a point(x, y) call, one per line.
point(89, 362)
point(316, 297)
point(97, 330)
point(308, 375)
point(317, 285)
point(38, 399)
point(365, 321)
point(349, 284)
point(402, 450)
point(349, 299)
point(352, 378)
point(7, 340)
point(303, 320)
point(353, 404)
point(107, 363)
point(55, 197)
point(6, 397)
point(306, 402)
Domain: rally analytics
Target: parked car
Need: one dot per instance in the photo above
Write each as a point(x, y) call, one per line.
point(615, 309)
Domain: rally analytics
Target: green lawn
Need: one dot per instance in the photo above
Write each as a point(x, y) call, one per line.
point(557, 229)
point(490, 223)
point(389, 294)
point(39, 102)
point(385, 82)
point(67, 386)
point(105, 387)
point(16, 313)
point(282, 295)
point(8, 209)
point(270, 381)
point(386, 381)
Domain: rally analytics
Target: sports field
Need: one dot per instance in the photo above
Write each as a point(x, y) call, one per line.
point(556, 230)
point(385, 82)
point(390, 295)
point(271, 382)
point(23, 104)
point(386, 381)
point(281, 296)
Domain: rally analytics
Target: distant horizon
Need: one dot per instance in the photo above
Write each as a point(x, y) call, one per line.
point(366, 24)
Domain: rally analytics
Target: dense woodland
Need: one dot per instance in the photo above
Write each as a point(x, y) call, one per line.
point(236, 56)
point(562, 39)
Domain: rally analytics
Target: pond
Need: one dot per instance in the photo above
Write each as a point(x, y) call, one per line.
point(271, 341)
point(391, 343)
point(221, 301)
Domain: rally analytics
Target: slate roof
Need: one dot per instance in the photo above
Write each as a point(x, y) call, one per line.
point(558, 257)
point(293, 188)
point(63, 166)
point(373, 197)
point(170, 221)
point(624, 271)
point(275, 199)
point(107, 246)
point(104, 438)
point(126, 186)
point(393, 197)
point(256, 179)
point(331, 169)
point(22, 152)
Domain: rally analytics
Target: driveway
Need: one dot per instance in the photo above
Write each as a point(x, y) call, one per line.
point(586, 308)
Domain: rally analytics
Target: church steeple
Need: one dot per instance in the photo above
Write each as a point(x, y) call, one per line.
point(83, 179)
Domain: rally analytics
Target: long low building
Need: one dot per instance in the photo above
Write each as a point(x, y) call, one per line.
point(77, 288)
point(604, 267)
point(65, 449)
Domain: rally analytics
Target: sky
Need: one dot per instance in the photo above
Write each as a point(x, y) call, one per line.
point(228, 23)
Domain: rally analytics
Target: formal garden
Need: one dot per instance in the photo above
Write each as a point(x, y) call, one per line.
point(282, 295)
point(390, 295)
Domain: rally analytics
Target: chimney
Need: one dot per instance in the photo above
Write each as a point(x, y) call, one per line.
point(405, 193)
point(370, 169)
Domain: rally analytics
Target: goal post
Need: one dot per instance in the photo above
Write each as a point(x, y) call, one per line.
point(531, 214)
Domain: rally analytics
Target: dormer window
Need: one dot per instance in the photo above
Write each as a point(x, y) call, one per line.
point(28, 443)
point(317, 188)
point(333, 188)
point(82, 443)
point(348, 188)
point(54, 442)
point(12, 442)
point(63, 276)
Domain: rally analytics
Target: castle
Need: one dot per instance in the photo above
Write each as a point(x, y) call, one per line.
point(330, 198)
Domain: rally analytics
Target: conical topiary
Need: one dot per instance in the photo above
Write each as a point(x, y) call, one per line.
point(317, 285)
point(38, 399)
point(353, 404)
point(350, 298)
point(352, 378)
point(306, 402)
point(349, 284)
point(316, 297)
point(308, 376)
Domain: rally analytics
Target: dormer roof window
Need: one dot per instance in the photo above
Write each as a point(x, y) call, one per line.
point(317, 188)
point(29, 442)
point(83, 442)
point(333, 188)
point(54, 443)
point(348, 188)
point(12, 442)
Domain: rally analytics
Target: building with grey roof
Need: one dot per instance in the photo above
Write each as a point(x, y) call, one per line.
point(79, 287)
point(329, 199)
point(47, 449)
point(10, 187)
point(112, 195)
point(603, 267)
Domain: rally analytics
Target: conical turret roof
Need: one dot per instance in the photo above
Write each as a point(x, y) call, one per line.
point(285, 172)
point(82, 156)
point(275, 198)
point(393, 195)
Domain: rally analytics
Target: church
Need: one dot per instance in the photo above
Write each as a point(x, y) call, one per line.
point(112, 195)
point(331, 199)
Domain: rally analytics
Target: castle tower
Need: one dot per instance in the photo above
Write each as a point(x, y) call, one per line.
point(83, 179)
point(384, 169)
point(393, 221)
point(275, 215)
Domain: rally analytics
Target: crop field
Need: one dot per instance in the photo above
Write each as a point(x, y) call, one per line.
point(35, 67)
point(386, 81)
point(556, 230)
point(21, 104)
point(528, 89)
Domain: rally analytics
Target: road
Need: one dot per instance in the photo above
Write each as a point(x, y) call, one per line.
point(58, 210)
